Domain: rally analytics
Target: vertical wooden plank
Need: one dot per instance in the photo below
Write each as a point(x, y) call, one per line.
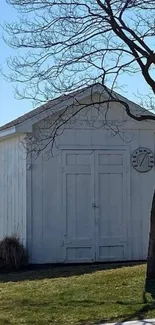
point(28, 207)
point(83, 206)
point(37, 220)
point(71, 206)
point(82, 137)
point(117, 220)
point(136, 238)
point(12, 185)
point(147, 187)
point(5, 188)
point(99, 137)
point(2, 190)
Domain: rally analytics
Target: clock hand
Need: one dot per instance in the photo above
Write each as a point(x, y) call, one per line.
point(142, 160)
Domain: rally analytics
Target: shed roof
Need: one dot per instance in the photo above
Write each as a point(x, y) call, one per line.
point(52, 103)
point(32, 113)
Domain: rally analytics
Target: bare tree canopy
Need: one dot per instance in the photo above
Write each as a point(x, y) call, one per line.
point(68, 44)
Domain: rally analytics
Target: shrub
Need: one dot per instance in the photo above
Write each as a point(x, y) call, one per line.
point(13, 255)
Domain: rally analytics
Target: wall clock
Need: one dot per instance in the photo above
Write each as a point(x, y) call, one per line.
point(142, 160)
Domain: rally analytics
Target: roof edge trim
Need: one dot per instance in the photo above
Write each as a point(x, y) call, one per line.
point(4, 134)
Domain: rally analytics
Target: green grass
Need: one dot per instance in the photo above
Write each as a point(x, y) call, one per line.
point(75, 295)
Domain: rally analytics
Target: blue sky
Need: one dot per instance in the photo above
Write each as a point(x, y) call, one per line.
point(11, 107)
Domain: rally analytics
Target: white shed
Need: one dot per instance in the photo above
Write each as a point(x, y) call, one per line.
point(91, 200)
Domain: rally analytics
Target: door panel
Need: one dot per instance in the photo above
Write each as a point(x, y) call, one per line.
point(111, 197)
point(77, 194)
point(78, 206)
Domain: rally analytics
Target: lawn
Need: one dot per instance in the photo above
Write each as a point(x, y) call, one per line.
point(75, 295)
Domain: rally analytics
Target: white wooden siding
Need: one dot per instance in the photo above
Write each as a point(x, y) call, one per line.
point(13, 188)
point(46, 228)
point(48, 213)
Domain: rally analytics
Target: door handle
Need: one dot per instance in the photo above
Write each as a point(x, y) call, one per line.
point(94, 205)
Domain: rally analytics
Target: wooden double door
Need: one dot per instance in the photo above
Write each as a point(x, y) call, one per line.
point(95, 205)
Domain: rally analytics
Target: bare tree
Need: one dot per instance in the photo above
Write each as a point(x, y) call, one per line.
point(68, 44)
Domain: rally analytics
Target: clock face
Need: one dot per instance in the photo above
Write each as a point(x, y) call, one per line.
point(142, 160)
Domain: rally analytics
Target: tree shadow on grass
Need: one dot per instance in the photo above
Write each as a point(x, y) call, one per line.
point(148, 306)
point(48, 271)
point(139, 315)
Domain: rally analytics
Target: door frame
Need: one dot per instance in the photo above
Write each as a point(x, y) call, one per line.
point(126, 150)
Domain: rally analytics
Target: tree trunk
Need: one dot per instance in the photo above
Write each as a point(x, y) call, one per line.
point(150, 274)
